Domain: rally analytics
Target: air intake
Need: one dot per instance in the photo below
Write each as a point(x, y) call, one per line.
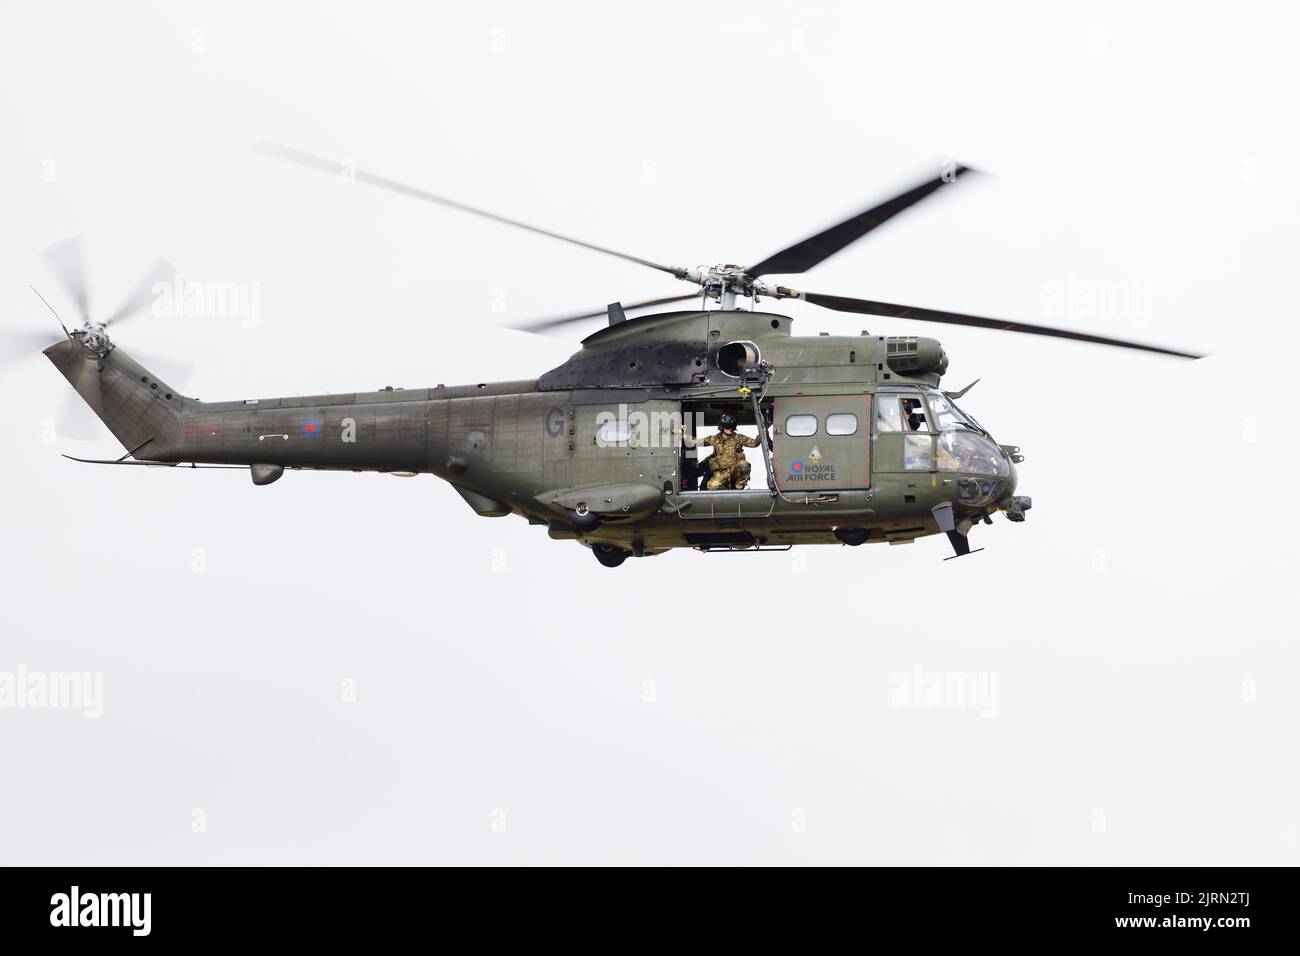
point(915, 355)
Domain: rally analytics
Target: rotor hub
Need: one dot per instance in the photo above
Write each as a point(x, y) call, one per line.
point(94, 338)
point(720, 279)
point(724, 282)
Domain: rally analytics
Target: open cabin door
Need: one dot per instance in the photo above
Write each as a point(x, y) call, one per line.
point(822, 442)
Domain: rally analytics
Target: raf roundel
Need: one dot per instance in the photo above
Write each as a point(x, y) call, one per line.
point(310, 428)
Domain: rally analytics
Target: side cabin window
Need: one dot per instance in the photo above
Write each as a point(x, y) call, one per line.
point(801, 426)
point(614, 434)
point(841, 423)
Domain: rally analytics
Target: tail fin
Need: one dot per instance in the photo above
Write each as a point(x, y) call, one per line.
point(143, 413)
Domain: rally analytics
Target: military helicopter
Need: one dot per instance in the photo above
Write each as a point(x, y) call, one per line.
point(859, 443)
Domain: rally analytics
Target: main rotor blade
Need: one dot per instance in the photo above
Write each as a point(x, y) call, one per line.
point(868, 307)
point(291, 155)
point(802, 256)
point(142, 295)
point(67, 258)
point(541, 325)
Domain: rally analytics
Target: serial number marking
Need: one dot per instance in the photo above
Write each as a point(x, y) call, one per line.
point(1203, 898)
point(1231, 899)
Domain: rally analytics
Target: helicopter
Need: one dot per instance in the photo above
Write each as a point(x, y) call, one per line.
point(858, 441)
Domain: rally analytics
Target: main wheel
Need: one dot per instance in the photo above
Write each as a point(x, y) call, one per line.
point(608, 555)
point(583, 519)
point(853, 536)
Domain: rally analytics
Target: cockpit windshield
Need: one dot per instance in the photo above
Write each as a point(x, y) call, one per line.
point(968, 451)
point(963, 445)
point(946, 415)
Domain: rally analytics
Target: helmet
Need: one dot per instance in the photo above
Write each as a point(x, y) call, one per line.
point(728, 420)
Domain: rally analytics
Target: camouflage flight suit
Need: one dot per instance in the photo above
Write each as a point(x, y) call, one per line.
point(727, 463)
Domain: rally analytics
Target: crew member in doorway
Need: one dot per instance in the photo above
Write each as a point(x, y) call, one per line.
point(727, 464)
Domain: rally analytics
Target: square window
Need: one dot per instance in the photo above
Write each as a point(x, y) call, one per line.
point(888, 418)
point(914, 415)
point(917, 453)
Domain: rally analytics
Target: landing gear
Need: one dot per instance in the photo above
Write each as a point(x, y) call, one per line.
point(610, 556)
point(583, 519)
point(853, 536)
point(960, 546)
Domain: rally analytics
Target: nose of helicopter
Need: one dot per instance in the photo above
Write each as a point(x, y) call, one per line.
point(1013, 504)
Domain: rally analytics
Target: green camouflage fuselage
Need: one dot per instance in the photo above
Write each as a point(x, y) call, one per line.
point(592, 448)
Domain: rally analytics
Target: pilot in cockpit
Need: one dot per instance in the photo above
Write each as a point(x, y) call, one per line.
point(913, 414)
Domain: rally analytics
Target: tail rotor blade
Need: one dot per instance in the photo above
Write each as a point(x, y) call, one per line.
point(17, 345)
point(77, 422)
point(75, 419)
point(67, 258)
point(161, 272)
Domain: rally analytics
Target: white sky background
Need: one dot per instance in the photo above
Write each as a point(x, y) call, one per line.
point(1140, 625)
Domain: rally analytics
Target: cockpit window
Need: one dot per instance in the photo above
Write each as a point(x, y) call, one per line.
point(913, 414)
point(917, 453)
point(946, 415)
point(887, 417)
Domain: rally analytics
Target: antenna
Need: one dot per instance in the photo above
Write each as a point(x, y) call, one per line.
point(53, 313)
